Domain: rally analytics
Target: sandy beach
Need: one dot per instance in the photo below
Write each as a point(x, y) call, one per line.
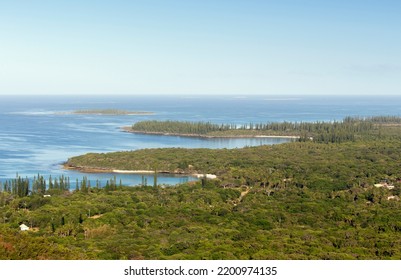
point(132, 171)
point(128, 129)
point(86, 169)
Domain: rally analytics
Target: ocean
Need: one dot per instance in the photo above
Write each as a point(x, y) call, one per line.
point(36, 138)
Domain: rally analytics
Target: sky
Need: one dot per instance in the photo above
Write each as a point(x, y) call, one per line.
point(239, 47)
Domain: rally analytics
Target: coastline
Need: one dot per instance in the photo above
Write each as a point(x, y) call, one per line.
point(128, 129)
point(86, 169)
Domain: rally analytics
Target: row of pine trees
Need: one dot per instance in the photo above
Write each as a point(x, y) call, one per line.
point(22, 187)
point(327, 132)
point(180, 127)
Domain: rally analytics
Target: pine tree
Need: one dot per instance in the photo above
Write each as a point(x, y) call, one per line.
point(50, 183)
point(155, 179)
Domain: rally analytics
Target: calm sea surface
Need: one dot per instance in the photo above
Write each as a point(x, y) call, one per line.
point(35, 138)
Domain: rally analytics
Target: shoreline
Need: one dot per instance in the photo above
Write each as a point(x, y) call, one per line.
point(94, 170)
point(128, 129)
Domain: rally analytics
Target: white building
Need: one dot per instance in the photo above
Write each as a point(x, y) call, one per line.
point(207, 176)
point(24, 227)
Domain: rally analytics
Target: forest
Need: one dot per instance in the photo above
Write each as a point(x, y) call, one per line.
point(301, 200)
point(325, 132)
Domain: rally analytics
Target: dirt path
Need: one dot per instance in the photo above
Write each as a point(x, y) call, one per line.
point(243, 194)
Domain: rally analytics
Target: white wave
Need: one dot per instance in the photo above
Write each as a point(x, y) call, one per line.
point(34, 113)
point(283, 99)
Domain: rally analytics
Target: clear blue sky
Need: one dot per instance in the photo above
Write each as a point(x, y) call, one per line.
point(200, 47)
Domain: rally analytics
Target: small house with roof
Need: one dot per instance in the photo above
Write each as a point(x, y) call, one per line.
point(24, 227)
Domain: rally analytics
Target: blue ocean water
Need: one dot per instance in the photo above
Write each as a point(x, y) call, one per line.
point(36, 138)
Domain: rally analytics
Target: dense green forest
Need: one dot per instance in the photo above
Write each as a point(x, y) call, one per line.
point(204, 221)
point(299, 200)
point(179, 127)
point(349, 129)
point(318, 166)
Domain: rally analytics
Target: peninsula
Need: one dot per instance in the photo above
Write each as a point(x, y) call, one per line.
point(207, 130)
point(338, 131)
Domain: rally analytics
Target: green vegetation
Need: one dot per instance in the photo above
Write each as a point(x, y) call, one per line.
point(209, 222)
point(178, 127)
point(299, 200)
point(317, 166)
point(109, 112)
point(349, 129)
point(21, 186)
